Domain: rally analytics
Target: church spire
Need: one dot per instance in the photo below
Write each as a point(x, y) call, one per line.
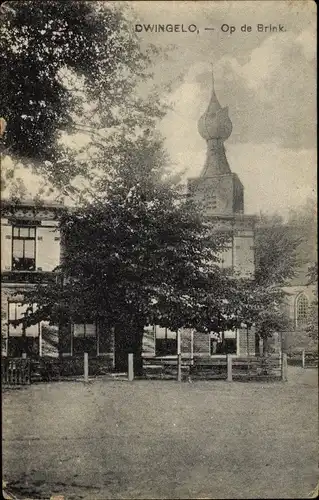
point(215, 127)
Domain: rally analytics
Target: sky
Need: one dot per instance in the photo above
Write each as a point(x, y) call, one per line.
point(266, 79)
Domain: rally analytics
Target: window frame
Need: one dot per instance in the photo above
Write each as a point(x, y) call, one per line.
point(24, 331)
point(301, 321)
point(85, 343)
point(85, 336)
point(17, 237)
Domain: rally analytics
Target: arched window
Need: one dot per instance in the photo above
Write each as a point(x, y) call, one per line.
point(302, 306)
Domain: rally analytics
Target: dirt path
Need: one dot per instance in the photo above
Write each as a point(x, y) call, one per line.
point(160, 439)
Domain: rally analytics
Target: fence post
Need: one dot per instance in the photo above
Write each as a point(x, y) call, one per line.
point(192, 347)
point(179, 357)
point(229, 368)
point(40, 340)
point(284, 367)
point(303, 358)
point(86, 367)
point(130, 367)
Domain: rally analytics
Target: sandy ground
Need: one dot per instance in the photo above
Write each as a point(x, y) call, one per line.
point(161, 439)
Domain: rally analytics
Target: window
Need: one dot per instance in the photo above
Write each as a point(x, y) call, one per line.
point(84, 330)
point(302, 306)
point(223, 343)
point(165, 342)
point(23, 248)
point(85, 338)
point(17, 311)
point(18, 343)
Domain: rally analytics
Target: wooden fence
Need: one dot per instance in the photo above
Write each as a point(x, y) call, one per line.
point(46, 368)
point(304, 358)
point(258, 368)
point(165, 369)
point(228, 368)
point(16, 371)
point(309, 359)
point(22, 371)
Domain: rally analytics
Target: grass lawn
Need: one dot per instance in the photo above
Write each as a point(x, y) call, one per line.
point(161, 439)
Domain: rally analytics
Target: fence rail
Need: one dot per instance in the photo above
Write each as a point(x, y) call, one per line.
point(16, 371)
point(228, 368)
point(304, 358)
point(309, 359)
point(19, 371)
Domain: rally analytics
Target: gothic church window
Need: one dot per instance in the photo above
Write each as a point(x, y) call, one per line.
point(302, 306)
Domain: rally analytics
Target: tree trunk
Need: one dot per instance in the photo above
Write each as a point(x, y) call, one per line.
point(137, 351)
point(129, 339)
point(136, 346)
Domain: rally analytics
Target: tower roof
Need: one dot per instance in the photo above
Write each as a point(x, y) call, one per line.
point(215, 122)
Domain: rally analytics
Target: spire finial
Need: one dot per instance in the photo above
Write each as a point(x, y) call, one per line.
point(213, 80)
point(215, 122)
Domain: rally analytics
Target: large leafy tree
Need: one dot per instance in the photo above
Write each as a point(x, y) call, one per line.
point(136, 251)
point(137, 254)
point(68, 67)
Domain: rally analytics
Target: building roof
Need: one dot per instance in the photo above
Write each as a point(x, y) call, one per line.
point(7, 202)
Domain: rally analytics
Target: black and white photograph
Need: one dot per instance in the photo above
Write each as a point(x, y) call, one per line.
point(159, 271)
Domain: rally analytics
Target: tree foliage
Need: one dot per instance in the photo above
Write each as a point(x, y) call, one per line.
point(276, 245)
point(281, 250)
point(69, 66)
point(137, 254)
point(262, 300)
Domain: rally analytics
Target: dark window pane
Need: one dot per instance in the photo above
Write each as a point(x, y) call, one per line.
point(227, 346)
point(82, 345)
point(18, 345)
point(23, 264)
point(166, 347)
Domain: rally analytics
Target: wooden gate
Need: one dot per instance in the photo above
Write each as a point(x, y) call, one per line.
point(16, 371)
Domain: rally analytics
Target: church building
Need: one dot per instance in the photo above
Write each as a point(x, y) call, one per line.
point(220, 195)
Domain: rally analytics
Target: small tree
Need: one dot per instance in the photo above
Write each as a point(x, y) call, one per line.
point(261, 302)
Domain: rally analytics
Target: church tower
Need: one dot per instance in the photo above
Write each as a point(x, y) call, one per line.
point(220, 193)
